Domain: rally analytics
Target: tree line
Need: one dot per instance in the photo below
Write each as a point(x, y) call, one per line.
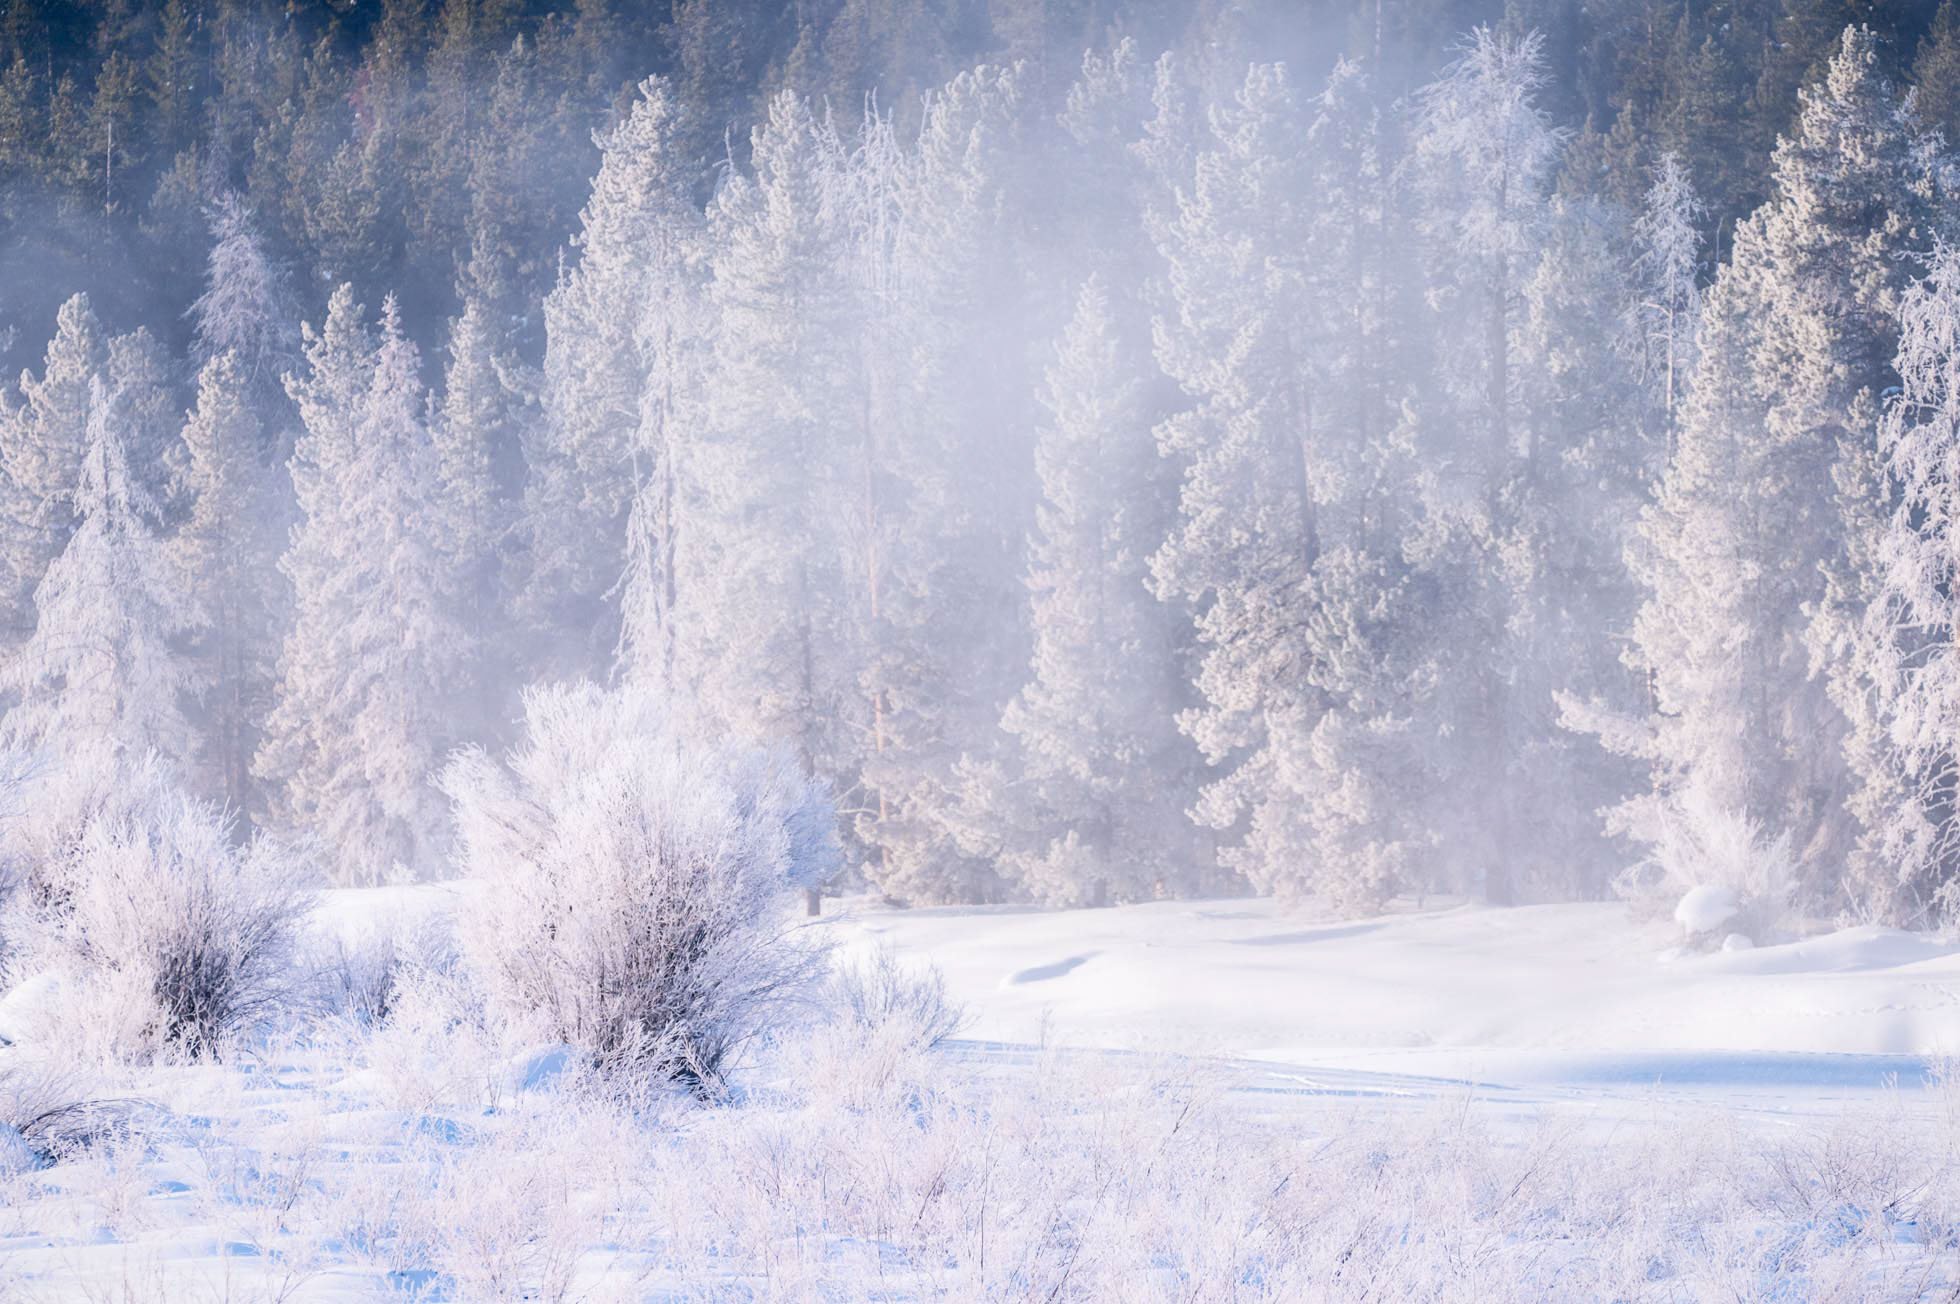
point(1142, 482)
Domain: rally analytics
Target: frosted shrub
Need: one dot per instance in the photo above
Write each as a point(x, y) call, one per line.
point(167, 938)
point(354, 978)
point(49, 801)
point(1697, 843)
point(435, 1049)
point(356, 975)
point(511, 1218)
point(877, 991)
point(886, 1019)
point(635, 882)
point(46, 1114)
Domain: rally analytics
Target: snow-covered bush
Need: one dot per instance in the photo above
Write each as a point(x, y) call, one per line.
point(50, 800)
point(1714, 870)
point(354, 978)
point(877, 991)
point(634, 883)
point(167, 938)
point(886, 1018)
point(436, 1048)
point(355, 975)
point(42, 1111)
point(511, 1219)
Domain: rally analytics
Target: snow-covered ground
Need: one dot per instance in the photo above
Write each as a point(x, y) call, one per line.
point(1218, 1099)
point(1577, 997)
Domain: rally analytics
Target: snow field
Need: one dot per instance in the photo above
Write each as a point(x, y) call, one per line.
point(423, 1159)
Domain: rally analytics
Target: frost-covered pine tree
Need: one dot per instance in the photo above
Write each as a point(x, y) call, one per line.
point(674, 337)
point(226, 554)
point(329, 394)
point(1480, 172)
point(1174, 131)
point(1482, 160)
point(953, 492)
point(1109, 181)
point(362, 716)
point(1748, 556)
point(474, 431)
point(247, 310)
point(767, 647)
point(147, 416)
point(42, 440)
point(1246, 538)
point(1666, 312)
point(584, 457)
point(1561, 564)
point(100, 674)
point(1096, 741)
point(1900, 686)
point(1289, 541)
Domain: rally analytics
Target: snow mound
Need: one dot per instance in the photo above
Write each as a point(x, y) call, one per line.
point(1738, 942)
point(1706, 908)
point(540, 1068)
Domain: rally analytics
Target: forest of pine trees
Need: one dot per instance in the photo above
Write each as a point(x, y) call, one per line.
point(1277, 447)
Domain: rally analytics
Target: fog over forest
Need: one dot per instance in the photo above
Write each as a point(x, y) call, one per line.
point(1123, 450)
point(1043, 651)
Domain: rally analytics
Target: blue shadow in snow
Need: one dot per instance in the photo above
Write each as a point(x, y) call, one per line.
point(1750, 1068)
point(1041, 973)
point(1306, 935)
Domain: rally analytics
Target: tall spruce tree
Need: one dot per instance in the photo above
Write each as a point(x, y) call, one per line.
point(954, 492)
point(363, 715)
point(585, 459)
point(1797, 344)
point(1085, 820)
point(226, 555)
point(767, 648)
point(42, 441)
point(100, 676)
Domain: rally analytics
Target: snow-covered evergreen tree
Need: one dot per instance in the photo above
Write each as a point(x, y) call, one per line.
point(247, 310)
point(1096, 742)
point(42, 440)
point(1245, 540)
point(474, 431)
point(1480, 170)
point(226, 555)
point(1899, 680)
point(953, 493)
point(1109, 182)
point(767, 650)
point(147, 415)
point(362, 715)
point(1290, 536)
point(1481, 161)
point(673, 334)
point(1797, 342)
point(471, 431)
point(1562, 562)
point(1666, 312)
point(584, 458)
point(100, 676)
